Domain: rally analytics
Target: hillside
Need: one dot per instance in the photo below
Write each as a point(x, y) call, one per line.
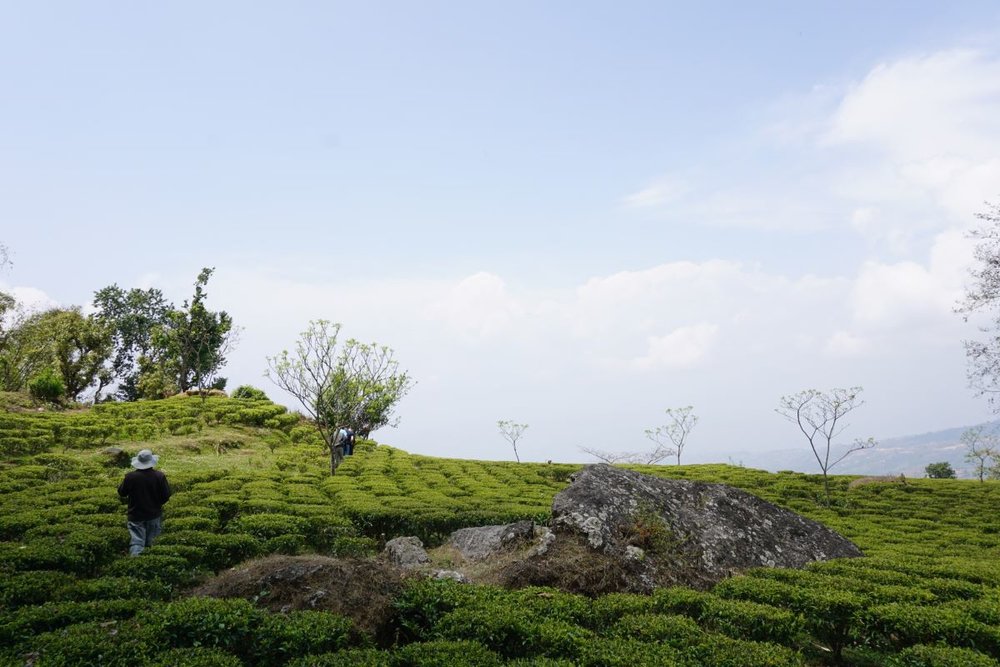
point(251, 480)
point(907, 455)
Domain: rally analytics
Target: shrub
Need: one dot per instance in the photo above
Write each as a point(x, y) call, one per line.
point(725, 652)
point(266, 526)
point(352, 657)
point(230, 625)
point(444, 652)
point(171, 570)
point(249, 392)
point(26, 622)
point(112, 644)
point(749, 620)
point(26, 588)
point(506, 629)
point(281, 637)
point(941, 656)
point(195, 657)
point(114, 588)
point(676, 631)
point(47, 386)
point(624, 652)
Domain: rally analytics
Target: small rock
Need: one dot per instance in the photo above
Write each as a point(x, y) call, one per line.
point(484, 542)
point(406, 552)
point(452, 575)
point(545, 539)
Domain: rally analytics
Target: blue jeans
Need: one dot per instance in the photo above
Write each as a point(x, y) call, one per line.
point(142, 533)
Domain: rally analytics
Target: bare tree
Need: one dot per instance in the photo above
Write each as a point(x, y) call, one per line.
point(618, 457)
point(983, 295)
point(672, 436)
point(820, 417)
point(5, 257)
point(982, 449)
point(512, 432)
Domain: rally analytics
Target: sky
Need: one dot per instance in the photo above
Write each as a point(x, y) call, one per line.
point(573, 215)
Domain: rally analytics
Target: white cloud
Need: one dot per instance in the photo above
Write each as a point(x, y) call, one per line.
point(900, 296)
point(663, 190)
point(846, 344)
point(31, 298)
point(925, 107)
point(478, 306)
point(684, 347)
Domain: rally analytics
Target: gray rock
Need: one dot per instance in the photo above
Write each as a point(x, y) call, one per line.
point(452, 575)
point(483, 542)
point(545, 539)
point(700, 533)
point(406, 552)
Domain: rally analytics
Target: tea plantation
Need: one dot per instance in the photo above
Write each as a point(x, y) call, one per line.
point(250, 479)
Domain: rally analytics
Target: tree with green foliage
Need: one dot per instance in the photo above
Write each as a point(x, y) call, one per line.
point(191, 344)
point(357, 387)
point(982, 450)
point(820, 416)
point(940, 470)
point(79, 346)
point(160, 349)
point(365, 389)
point(512, 432)
point(131, 318)
point(25, 352)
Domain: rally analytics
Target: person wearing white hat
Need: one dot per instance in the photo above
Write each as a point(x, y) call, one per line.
point(146, 491)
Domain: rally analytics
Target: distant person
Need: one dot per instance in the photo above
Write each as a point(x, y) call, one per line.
point(146, 491)
point(349, 442)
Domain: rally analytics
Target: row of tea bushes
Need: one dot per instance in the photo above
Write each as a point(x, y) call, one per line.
point(114, 423)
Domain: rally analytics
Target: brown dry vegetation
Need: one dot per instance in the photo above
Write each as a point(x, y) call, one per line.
point(361, 590)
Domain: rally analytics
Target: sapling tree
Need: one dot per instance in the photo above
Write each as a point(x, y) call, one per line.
point(512, 432)
point(671, 438)
point(982, 450)
point(820, 416)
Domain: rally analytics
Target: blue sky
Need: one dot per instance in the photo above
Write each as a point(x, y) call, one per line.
point(568, 214)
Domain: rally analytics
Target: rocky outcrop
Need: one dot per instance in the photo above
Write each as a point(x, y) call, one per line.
point(484, 542)
point(690, 533)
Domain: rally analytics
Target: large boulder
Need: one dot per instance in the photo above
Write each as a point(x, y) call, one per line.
point(670, 531)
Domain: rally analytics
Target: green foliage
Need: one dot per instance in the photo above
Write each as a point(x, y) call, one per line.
point(940, 470)
point(47, 386)
point(445, 652)
point(941, 656)
point(195, 657)
point(352, 657)
point(249, 392)
point(237, 627)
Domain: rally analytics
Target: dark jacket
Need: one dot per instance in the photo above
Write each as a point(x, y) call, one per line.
point(147, 490)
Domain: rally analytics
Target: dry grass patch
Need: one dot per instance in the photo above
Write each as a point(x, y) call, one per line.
point(362, 590)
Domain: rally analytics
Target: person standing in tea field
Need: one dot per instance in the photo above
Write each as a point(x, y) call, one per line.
point(146, 491)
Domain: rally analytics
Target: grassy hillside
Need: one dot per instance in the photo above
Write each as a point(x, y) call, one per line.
point(251, 480)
